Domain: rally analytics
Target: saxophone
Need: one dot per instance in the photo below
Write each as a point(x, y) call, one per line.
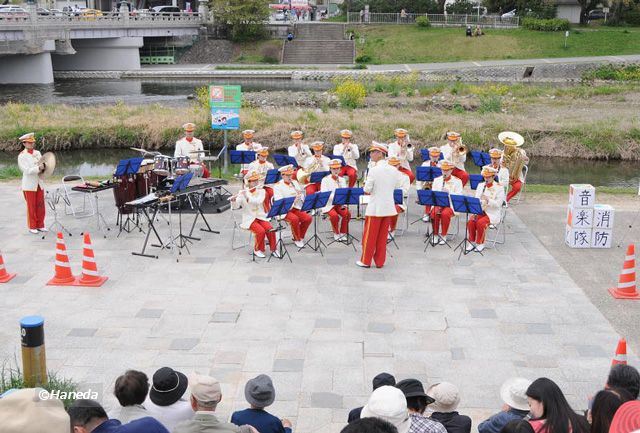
point(514, 161)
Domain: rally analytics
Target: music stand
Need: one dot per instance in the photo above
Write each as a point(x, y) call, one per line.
point(340, 157)
point(272, 176)
point(179, 184)
point(398, 199)
point(480, 159)
point(280, 208)
point(474, 180)
point(467, 205)
point(433, 198)
point(128, 167)
point(426, 174)
point(283, 160)
point(345, 197)
point(242, 156)
point(314, 202)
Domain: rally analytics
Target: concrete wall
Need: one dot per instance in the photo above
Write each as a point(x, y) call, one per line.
point(21, 69)
point(569, 12)
point(114, 54)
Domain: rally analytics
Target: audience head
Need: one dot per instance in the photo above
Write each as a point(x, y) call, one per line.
point(514, 393)
point(446, 397)
point(168, 386)
point(259, 391)
point(205, 393)
point(417, 399)
point(369, 425)
point(625, 377)
point(546, 401)
point(388, 403)
point(517, 426)
point(23, 411)
point(627, 418)
point(131, 388)
point(605, 405)
point(86, 415)
point(383, 379)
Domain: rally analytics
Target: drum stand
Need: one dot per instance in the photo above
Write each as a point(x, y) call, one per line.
point(176, 243)
point(52, 200)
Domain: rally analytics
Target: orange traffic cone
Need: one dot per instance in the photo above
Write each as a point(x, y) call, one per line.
point(627, 282)
point(90, 276)
point(4, 275)
point(621, 353)
point(63, 275)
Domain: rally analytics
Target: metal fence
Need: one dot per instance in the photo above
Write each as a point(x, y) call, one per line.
point(436, 20)
point(110, 19)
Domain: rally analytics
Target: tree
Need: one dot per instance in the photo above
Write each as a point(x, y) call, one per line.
point(244, 19)
point(460, 7)
point(585, 7)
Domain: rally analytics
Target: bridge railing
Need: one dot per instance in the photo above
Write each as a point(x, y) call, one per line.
point(436, 20)
point(110, 19)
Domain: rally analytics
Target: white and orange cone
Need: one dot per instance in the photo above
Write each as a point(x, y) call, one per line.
point(627, 282)
point(621, 353)
point(63, 275)
point(4, 275)
point(90, 276)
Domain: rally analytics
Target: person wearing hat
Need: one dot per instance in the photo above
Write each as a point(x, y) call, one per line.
point(513, 151)
point(389, 404)
point(441, 216)
point(433, 161)
point(514, 396)
point(382, 180)
point(260, 394)
point(31, 166)
point(403, 150)
point(446, 400)
point(262, 166)
point(252, 200)
point(451, 152)
point(491, 195)
point(298, 150)
point(247, 144)
point(339, 215)
point(417, 402)
point(166, 401)
point(88, 416)
point(191, 147)
point(24, 411)
point(350, 153)
point(297, 219)
point(381, 379)
point(496, 162)
point(404, 185)
point(313, 164)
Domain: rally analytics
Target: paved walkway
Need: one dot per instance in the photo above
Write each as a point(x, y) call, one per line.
point(321, 327)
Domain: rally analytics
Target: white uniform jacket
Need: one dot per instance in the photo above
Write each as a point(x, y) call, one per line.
point(331, 184)
point(300, 154)
point(503, 176)
point(252, 207)
point(258, 167)
point(350, 154)
point(404, 185)
point(28, 164)
point(496, 197)
point(243, 146)
point(282, 190)
point(324, 163)
point(380, 183)
point(184, 148)
point(405, 156)
point(447, 152)
point(452, 186)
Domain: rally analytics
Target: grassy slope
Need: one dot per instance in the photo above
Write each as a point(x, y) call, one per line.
point(411, 44)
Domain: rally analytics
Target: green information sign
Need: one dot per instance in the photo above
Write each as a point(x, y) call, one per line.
point(225, 96)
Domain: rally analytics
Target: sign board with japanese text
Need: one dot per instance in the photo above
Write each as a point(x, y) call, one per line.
point(225, 103)
point(603, 216)
point(580, 218)
point(578, 237)
point(582, 196)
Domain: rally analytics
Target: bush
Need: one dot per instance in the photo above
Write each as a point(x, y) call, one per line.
point(614, 73)
point(350, 93)
point(363, 58)
point(490, 104)
point(423, 21)
point(550, 25)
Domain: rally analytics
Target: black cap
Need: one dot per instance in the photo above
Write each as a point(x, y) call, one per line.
point(413, 388)
point(383, 379)
point(168, 386)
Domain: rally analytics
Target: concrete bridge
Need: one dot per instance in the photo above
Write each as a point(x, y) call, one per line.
point(32, 48)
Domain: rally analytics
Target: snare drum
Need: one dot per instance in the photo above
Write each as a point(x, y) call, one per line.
point(196, 169)
point(163, 165)
point(182, 165)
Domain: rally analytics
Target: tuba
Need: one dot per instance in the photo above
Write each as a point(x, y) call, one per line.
point(513, 158)
point(303, 175)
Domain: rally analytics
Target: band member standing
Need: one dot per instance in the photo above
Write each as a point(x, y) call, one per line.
point(441, 216)
point(404, 185)
point(339, 215)
point(491, 196)
point(350, 153)
point(403, 150)
point(248, 144)
point(496, 162)
point(455, 152)
point(299, 221)
point(434, 159)
point(514, 158)
point(381, 180)
point(298, 150)
point(254, 214)
point(191, 147)
point(32, 184)
point(262, 166)
point(313, 164)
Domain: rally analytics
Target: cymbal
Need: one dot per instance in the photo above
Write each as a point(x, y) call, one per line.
point(144, 151)
point(49, 159)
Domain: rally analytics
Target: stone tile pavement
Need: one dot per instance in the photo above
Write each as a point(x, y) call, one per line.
point(321, 327)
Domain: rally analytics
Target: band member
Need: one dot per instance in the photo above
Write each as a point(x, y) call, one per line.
point(339, 215)
point(191, 147)
point(491, 196)
point(456, 152)
point(404, 185)
point(299, 221)
point(496, 162)
point(313, 164)
point(514, 159)
point(247, 144)
point(441, 216)
point(254, 215)
point(32, 184)
point(350, 153)
point(403, 150)
point(434, 159)
point(298, 150)
point(261, 166)
point(381, 181)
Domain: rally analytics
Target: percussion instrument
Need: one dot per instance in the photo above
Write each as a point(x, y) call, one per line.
point(49, 160)
point(196, 169)
point(181, 165)
point(163, 165)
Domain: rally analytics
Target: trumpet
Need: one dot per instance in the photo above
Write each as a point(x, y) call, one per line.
point(462, 149)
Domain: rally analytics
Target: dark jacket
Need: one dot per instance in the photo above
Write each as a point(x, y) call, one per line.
point(262, 420)
point(142, 425)
point(453, 421)
point(354, 415)
point(495, 422)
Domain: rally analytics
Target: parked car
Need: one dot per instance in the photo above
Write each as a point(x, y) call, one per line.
point(279, 16)
point(167, 10)
point(43, 11)
point(90, 14)
point(13, 13)
point(596, 14)
point(56, 12)
point(510, 14)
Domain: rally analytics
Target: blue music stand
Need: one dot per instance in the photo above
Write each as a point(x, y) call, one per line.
point(340, 157)
point(242, 156)
point(181, 183)
point(345, 197)
point(273, 176)
point(283, 160)
point(474, 180)
point(317, 176)
point(467, 205)
point(427, 173)
point(438, 199)
point(128, 166)
point(314, 202)
point(480, 158)
point(278, 208)
point(398, 196)
point(424, 154)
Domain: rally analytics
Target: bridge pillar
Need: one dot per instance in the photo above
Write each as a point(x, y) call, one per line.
point(28, 69)
point(111, 54)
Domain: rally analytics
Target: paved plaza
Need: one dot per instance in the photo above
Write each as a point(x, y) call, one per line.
point(320, 326)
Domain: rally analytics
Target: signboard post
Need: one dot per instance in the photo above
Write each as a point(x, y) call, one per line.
point(225, 102)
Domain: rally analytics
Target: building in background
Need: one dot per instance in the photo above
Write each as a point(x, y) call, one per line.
point(568, 9)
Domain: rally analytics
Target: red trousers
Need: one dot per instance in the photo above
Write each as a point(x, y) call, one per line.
point(261, 229)
point(312, 188)
point(394, 219)
point(462, 175)
point(440, 219)
point(300, 222)
point(427, 210)
point(477, 227)
point(516, 186)
point(335, 214)
point(351, 172)
point(268, 195)
point(409, 173)
point(35, 208)
point(374, 240)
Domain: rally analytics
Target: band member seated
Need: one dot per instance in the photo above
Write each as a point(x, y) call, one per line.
point(404, 185)
point(496, 162)
point(456, 152)
point(261, 166)
point(254, 215)
point(313, 164)
point(441, 216)
point(32, 185)
point(350, 153)
point(433, 161)
point(491, 196)
point(299, 221)
point(298, 150)
point(339, 215)
point(514, 158)
point(247, 144)
point(403, 150)
point(191, 147)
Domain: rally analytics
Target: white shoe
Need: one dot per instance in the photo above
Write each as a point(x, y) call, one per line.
point(362, 265)
point(259, 254)
point(336, 237)
point(313, 212)
point(442, 242)
point(43, 229)
point(276, 254)
point(426, 218)
point(469, 247)
point(480, 247)
point(299, 244)
point(34, 231)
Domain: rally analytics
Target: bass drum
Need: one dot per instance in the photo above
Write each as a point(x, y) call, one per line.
point(125, 191)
